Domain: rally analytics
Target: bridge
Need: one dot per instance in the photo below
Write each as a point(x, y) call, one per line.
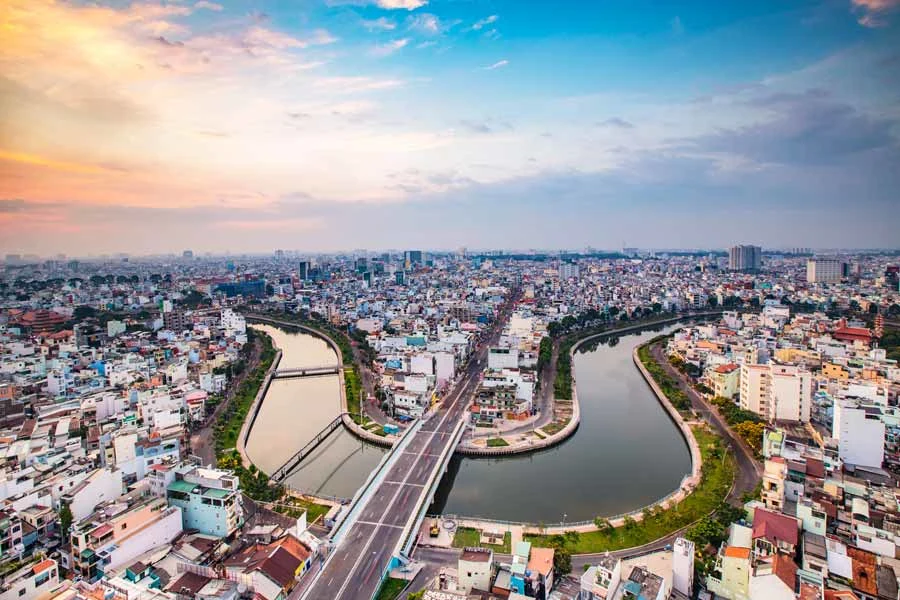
point(378, 528)
point(307, 372)
point(281, 473)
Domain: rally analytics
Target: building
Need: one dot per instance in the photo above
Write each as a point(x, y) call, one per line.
point(725, 380)
point(683, 566)
point(568, 270)
point(776, 392)
point(744, 258)
point(176, 320)
point(601, 581)
point(859, 431)
point(730, 578)
point(10, 533)
point(118, 532)
point(824, 270)
point(503, 358)
point(475, 569)
point(31, 581)
point(209, 500)
point(252, 288)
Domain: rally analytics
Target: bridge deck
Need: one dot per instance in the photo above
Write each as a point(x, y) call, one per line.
point(355, 569)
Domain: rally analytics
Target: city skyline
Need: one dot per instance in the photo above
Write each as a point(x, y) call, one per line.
point(339, 124)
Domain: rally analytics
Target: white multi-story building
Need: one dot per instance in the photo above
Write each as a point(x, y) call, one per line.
point(790, 393)
point(859, 431)
point(824, 270)
point(683, 566)
point(100, 486)
point(503, 358)
point(776, 392)
point(754, 392)
point(31, 581)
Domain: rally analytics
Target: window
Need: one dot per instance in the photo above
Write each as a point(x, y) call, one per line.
point(124, 525)
point(22, 592)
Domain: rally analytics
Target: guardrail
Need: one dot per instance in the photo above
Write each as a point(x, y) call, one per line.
point(406, 542)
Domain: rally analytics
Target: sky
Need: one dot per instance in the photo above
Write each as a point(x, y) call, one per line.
point(321, 125)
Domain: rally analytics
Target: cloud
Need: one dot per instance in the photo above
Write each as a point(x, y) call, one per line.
point(676, 25)
point(873, 13)
point(385, 4)
point(379, 24)
point(617, 123)
point(480, 24)
point(803, 129)
point(208, 5)
point(425, 23)
point(275, 39)
point(489, 125)
point(497, 65)
point(401, 4)
point(390, 47)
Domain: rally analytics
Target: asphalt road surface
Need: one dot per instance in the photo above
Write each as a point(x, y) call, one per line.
point(355, 567)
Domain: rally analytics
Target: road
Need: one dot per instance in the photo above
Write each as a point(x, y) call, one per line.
point(749, 469)
point(202, 442)
point(354, 569)
point(746, 479)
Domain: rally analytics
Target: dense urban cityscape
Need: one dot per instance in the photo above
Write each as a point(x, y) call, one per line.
point(140, 460)
point(449, 300)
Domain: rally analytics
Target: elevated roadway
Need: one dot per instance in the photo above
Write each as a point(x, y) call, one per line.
point(381, 525)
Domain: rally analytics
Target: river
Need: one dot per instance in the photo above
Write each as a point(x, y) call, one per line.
point(627, 453)
point(295, 410)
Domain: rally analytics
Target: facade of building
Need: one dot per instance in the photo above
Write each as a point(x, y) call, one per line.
point(824, 270)
point(209, 500)
point(744, 258)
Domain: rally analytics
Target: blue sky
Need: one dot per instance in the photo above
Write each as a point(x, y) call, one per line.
point(335, 124)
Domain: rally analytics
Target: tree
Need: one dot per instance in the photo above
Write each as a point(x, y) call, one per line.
point(752, 433)
point(84, 312)
point(628, 522)
point(65, 521)
point(602, 524)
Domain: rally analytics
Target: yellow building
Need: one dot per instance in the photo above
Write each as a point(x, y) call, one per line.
point(731, 576)
point(835, 371)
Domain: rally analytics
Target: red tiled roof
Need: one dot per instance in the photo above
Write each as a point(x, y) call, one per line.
point(785, 569)
point(43, 566)
point(726, 368)
point(774, 527)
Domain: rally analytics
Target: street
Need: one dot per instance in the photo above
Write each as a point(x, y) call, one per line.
point(355, 567)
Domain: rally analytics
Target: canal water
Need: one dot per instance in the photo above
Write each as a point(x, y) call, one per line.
point(295, 410)
point(627, 453)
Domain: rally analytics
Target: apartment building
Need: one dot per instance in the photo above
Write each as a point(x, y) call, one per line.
point(776, 392)
point(118, 532)
point(33, 580)
point(860, 433)
point(209, 500)
point(824, 270)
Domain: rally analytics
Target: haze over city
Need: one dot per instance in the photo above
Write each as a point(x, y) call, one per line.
point(145, 127)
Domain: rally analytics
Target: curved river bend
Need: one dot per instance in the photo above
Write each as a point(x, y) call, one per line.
point(626, 454)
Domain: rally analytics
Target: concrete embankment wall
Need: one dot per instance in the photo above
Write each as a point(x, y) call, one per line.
point(347, 421)
point(696, 457)
point(250, 419)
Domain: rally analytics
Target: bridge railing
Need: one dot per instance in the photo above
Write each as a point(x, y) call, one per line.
point(412, 525)
point(375, 477)
point(290, 464)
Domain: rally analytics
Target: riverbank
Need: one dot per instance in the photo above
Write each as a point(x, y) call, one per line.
point(711, 481)
point(565, 406)
point(350, 382)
